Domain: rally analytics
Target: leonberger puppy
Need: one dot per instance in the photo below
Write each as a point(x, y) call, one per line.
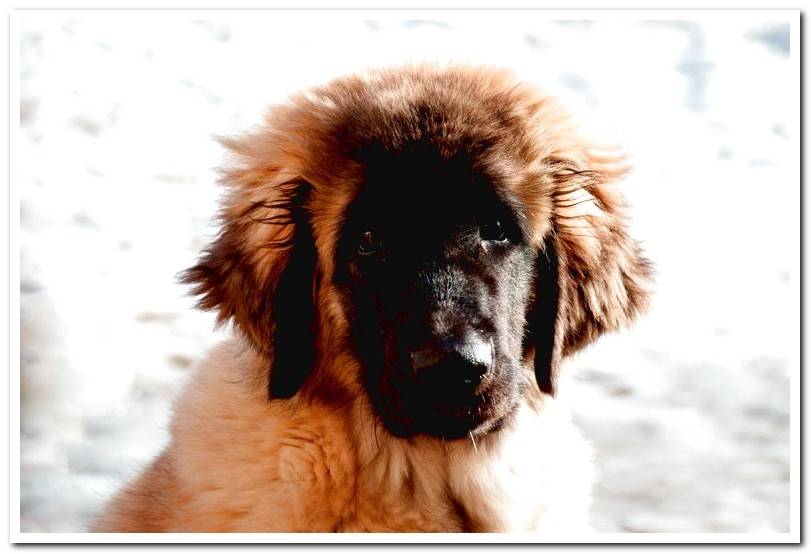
point(407, 257)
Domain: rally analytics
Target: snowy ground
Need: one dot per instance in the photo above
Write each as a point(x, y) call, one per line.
point(688, 413)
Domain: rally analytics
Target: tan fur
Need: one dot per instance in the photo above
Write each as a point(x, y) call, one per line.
point(321, 460)
point(239, 463)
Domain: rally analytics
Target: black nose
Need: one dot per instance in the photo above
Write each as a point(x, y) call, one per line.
point(453, 367)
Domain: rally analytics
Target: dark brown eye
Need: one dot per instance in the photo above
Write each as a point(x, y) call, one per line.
point(368, 244)
point(493, 231)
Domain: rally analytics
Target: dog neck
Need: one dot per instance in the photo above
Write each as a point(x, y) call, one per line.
point(481, 481)
point(533, 471)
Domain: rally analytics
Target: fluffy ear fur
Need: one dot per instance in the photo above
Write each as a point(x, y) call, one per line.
point(592, 277)
point(260, 270)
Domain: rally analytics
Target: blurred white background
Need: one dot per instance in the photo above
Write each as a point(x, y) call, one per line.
point(688, 413)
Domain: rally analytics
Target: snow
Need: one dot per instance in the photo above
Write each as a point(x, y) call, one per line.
point(688, 412)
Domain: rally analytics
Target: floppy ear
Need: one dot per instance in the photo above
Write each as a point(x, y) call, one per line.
point(592, 277)
point(260, 271)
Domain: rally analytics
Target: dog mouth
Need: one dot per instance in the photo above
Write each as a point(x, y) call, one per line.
point(442, 400)
point(456, 420)
point(417, 410)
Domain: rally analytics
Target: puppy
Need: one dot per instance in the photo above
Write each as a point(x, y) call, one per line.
point(407, 256)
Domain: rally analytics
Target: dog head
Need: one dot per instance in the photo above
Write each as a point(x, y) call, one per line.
point(437, 239)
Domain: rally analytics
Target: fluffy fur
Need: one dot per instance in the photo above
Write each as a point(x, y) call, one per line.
point(284, 427)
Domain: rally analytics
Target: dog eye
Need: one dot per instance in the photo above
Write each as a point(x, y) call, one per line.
point(368, 244)
point(493, 231)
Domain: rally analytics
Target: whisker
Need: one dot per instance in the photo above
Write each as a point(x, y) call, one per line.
point(470, 434)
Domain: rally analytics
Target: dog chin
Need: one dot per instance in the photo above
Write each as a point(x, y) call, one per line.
point(449, 422)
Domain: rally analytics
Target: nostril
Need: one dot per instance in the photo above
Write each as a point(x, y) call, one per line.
point(453, 374)
point(473, 373)
point(460, 368)
point(426, 357)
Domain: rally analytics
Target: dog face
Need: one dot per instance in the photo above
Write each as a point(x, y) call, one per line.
point(445, 230)
point(438, 276)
